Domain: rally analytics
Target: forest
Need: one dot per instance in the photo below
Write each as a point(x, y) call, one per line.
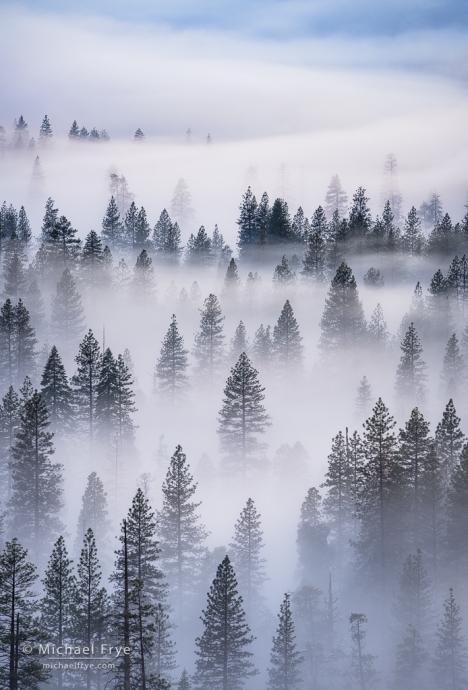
point(220, 467)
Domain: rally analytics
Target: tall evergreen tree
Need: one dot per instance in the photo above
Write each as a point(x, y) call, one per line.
point(209, 341)
point(246, 557)
point(243, 415)
point(378, 334)
point(287, 346)
point(248, 229)
point(130, 226)
point(262, 219)
point(92, 259)
point(449, 667)
point(439, 314)
point(262, 348)
point(56, 392)
point(410, 377)
point(359, 215)
point(282, 274)
point(112, 226)
point(285, 662)
point(142, 230)
point(314, 260)
point(224, 661)
point(94, 515)
point(432, 493)
point(16, 282)
point(413, 600)
point(8, 343)
point(239, 343)
point(9, 425)
point(343, 324)
point(363, 402)
point(105, 396)
point(67, 312)
point(198, 251)
point(171, 367)
point(231, 279)
point(36, 481)
point(279, 223)
point(49, 222)
point(181, 534)
point(449, 439)
point(144, 283)
point(24, 228)
point(25, 343)
point(336, 198)
point(412, 239)
point(363, 674)
point(410, 658)
point(67, 244)
point(453, 375)
point(85, 381)
point(312, 540)
point(124, 400)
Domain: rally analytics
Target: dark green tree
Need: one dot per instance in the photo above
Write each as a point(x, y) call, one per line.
point(242, 416)
point(57, 393)
point(24, 228)
point(92, 259)
point(67, 244)
point(49, 221)
point(315, 554)
point(223, 660)
point(171, 367)
point(130, 226)
point(360, 219)
point(105, 396)
point(16, 282)
point(142, 230)
point(231, 279)
point(25, 342)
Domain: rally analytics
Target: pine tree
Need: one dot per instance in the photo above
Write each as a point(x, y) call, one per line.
point(105, 396)
point(122, 278)
point(300, 227)
point(287, 347)
point(45, 132)
point(92, 259)
point(198, 251)
point(161, 231)
point(18, 624)
point(139, 136)
point(262, 219)
point(63, 237)
point(282, 274)
point(378, 335)
point(25, 343)
point(413, 599)
point(449, 666)
point(56, 603)
point(184, 682)
point(410, 658)
point(343, 324)
point(413, 240)
point(410, 377)
point(262, 348)
point(246, 557)
point(144, 283)
point(171, 367)
point(439, 316)
point(90, 607)
point(363, 674)
point(360, 219)
point(336, 199)
point(453, 374)
point(243, 415)
point(67, 312)
point(239, 343)
point(142, 231)
point(15, 275)
point(312, 540)
point(130, 226)
point(9, 424)
point(164, 647)
point(94, 515)
point(74, 131)
point(247, 236)
point(8, 343)
point(85, 381)
point(373, 279)
point(112, 226)
point(442, 238)
point(181, 534)
point(279, 223)
point(124, 400)
point(285, 662)
point(223, 658)
point(456, 543)
point(209, 341)
point(432, 493)
point(449, 439)
point(56, 392)
point(364, 399)
point(181, 204)
point(314, 260)
point(339, 504)
point(36, 481)
point(231, 280)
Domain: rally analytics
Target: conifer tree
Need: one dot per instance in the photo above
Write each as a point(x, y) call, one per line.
point(24, 228)
point(285, 662)
point(161, 231)
point(9, 424)
point(449, 439)
point(142, 230)
point(453, 374)
point(262, 348)
point(112, 226)
point(36, 481)
point(184, 682)
point(85, 381)
point(314, 260)
point(410, 377)
point(130, 226)
point(262, 219)
point(224, 661)
point(56, 392)
point(67, 312)
point(105, 396)
point(359, 215)
point(63, 236)
point(180, 532)
point(122, 278)
point(124, 400)
point(25, 337)
point(343, 324)
point(410, 658)
point(336, 199)
point(439, 315)
point(287, 346)
point(378, 335)
point(144, 283)
point(50, 220)
point(45, 132)
point(57, 600)
point(413, 599)
point(171, 367)
point(449, 666)
point(16, 282)
point(35, 305)
point(92, 259)
point(282, 274)
point(239, 343)
point(94, 515)
point(279, 223)
point(339, 504)
point(231, 279)
point(300, 227)
point(246, 557)
point(243, 415)
point(18, 624)
point(364, 399)
point(181, 204)
point(198, 251)
point(209, 341)
point(432, 493)
point(248, 229)
point(312, 540)
point(164, 647)
point(8, 343)
point(363, 675)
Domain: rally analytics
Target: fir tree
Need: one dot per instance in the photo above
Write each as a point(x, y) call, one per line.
point(410, 377)
point(112, 226)
point(105, 396)
point(453, 375)
point(15, 277)
point(413, 600)
point(359, 215)
point(85, 381)
point(343, 324)
point(35, 304)
point(122, 278)
point(300, 227)
point(378, 335)
point(63, 236)
point(410, 658)
point(181, 534)
point(248, 230)
point(45, 132)
point(24, 228)
point(449, 666)
point(412, 239)
point(279, 223)
point(262, 348)
point(336, 199)
point(364, 398)
point(246, 557)
point(56, 603)
point(181, 204)
point(8, 342)
point(36, 481)
point(283, 274)
point(231, 279)
point(363, 674)
point(92, 259)
point(142, 231)
point(130, 226)
point(171, 368)
point(456, 543)
point(184, 682)
point(56, 392)
point(139, 136)
point(287, 346)
point(198, 251)
point(161, 231)
point(94, 515)
point(312, 540)
point(18, 623)
point(439, 314)
point(74, 131)
point(67, 312)
point(239, 343)
point(285, 662)
point(209, 341)
point(164, 647)
point(9, 425)
point(449, 439)
point(223, 658)
point(441, 240)
point(144, 283)
point(243, 415)
point(373, 279)
point(262, 219)
point(124, 400)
